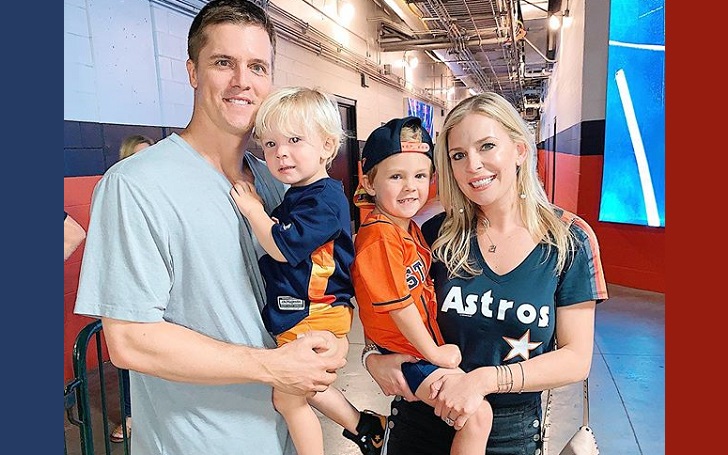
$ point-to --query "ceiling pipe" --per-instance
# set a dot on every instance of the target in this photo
(398, 29)
(439, 33)
(549, 60)
(436, 43)
(300, 33)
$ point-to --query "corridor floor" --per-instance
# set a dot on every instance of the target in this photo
(627, 385)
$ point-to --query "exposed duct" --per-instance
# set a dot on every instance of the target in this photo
(486, 44)
(432, 44)
(302, 34)
(477, 39)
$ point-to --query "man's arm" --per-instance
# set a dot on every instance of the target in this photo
(73, 235)
(176, 353)
(386, 370)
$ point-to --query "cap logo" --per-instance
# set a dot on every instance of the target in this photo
(415, 147)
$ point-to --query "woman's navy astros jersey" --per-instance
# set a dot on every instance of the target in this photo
(500, 319)
(314, 235)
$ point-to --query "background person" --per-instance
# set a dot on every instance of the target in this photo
(512, 273)
(171, 268)
(132, 144)
(73, 235)
(129, 146)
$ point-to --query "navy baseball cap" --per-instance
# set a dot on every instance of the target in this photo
(384, 142)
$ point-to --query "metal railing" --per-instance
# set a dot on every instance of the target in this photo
(79, 408)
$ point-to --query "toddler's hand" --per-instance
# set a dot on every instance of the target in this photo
(245, 197)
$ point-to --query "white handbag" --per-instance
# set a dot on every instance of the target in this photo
(583, 442)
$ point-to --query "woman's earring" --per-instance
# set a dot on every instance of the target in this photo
(461, 210)
(518, 171)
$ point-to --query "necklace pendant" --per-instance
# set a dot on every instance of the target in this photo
(491, 249)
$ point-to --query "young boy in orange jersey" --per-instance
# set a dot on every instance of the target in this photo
(391, 267)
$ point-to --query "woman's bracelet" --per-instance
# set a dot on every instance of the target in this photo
(505, 380)
(369, 349)
(523, 377)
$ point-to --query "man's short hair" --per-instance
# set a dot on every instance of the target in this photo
(222, 12)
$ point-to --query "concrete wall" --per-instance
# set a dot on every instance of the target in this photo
(571, 135)
(124, 63)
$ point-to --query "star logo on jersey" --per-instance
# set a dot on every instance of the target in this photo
(377, 442)
(521, 346)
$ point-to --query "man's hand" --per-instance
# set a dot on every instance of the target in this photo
(386, 370)
(305, 365)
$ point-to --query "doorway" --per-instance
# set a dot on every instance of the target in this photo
(344, 166)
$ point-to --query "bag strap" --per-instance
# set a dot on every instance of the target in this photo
(585, 410)
(546, 423)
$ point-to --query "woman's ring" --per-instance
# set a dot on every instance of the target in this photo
(449, 421)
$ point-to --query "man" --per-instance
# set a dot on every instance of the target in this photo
(171, 266)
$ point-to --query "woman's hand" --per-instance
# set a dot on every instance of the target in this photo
(457, 396)
(386, 370)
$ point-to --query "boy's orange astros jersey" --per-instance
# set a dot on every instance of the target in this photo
(390, 271)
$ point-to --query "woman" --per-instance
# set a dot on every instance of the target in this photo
(512, 273)
(132, 144)
(129, 146)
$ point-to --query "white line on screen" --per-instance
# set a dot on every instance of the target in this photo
(648, 192)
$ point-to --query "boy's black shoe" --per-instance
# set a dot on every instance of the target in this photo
(370, 429)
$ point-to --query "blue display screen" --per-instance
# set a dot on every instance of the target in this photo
(424, 111)
(633, 184)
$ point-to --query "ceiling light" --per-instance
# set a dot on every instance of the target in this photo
(345, 10)
(568, 20)
(554, 22)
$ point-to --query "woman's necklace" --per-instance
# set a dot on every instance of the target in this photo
(493, 246)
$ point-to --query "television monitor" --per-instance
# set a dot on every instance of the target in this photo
(424, 111)
(633, 183)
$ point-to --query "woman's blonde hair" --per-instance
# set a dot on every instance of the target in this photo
(299, 111)
(130, 142)
(452, 246)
